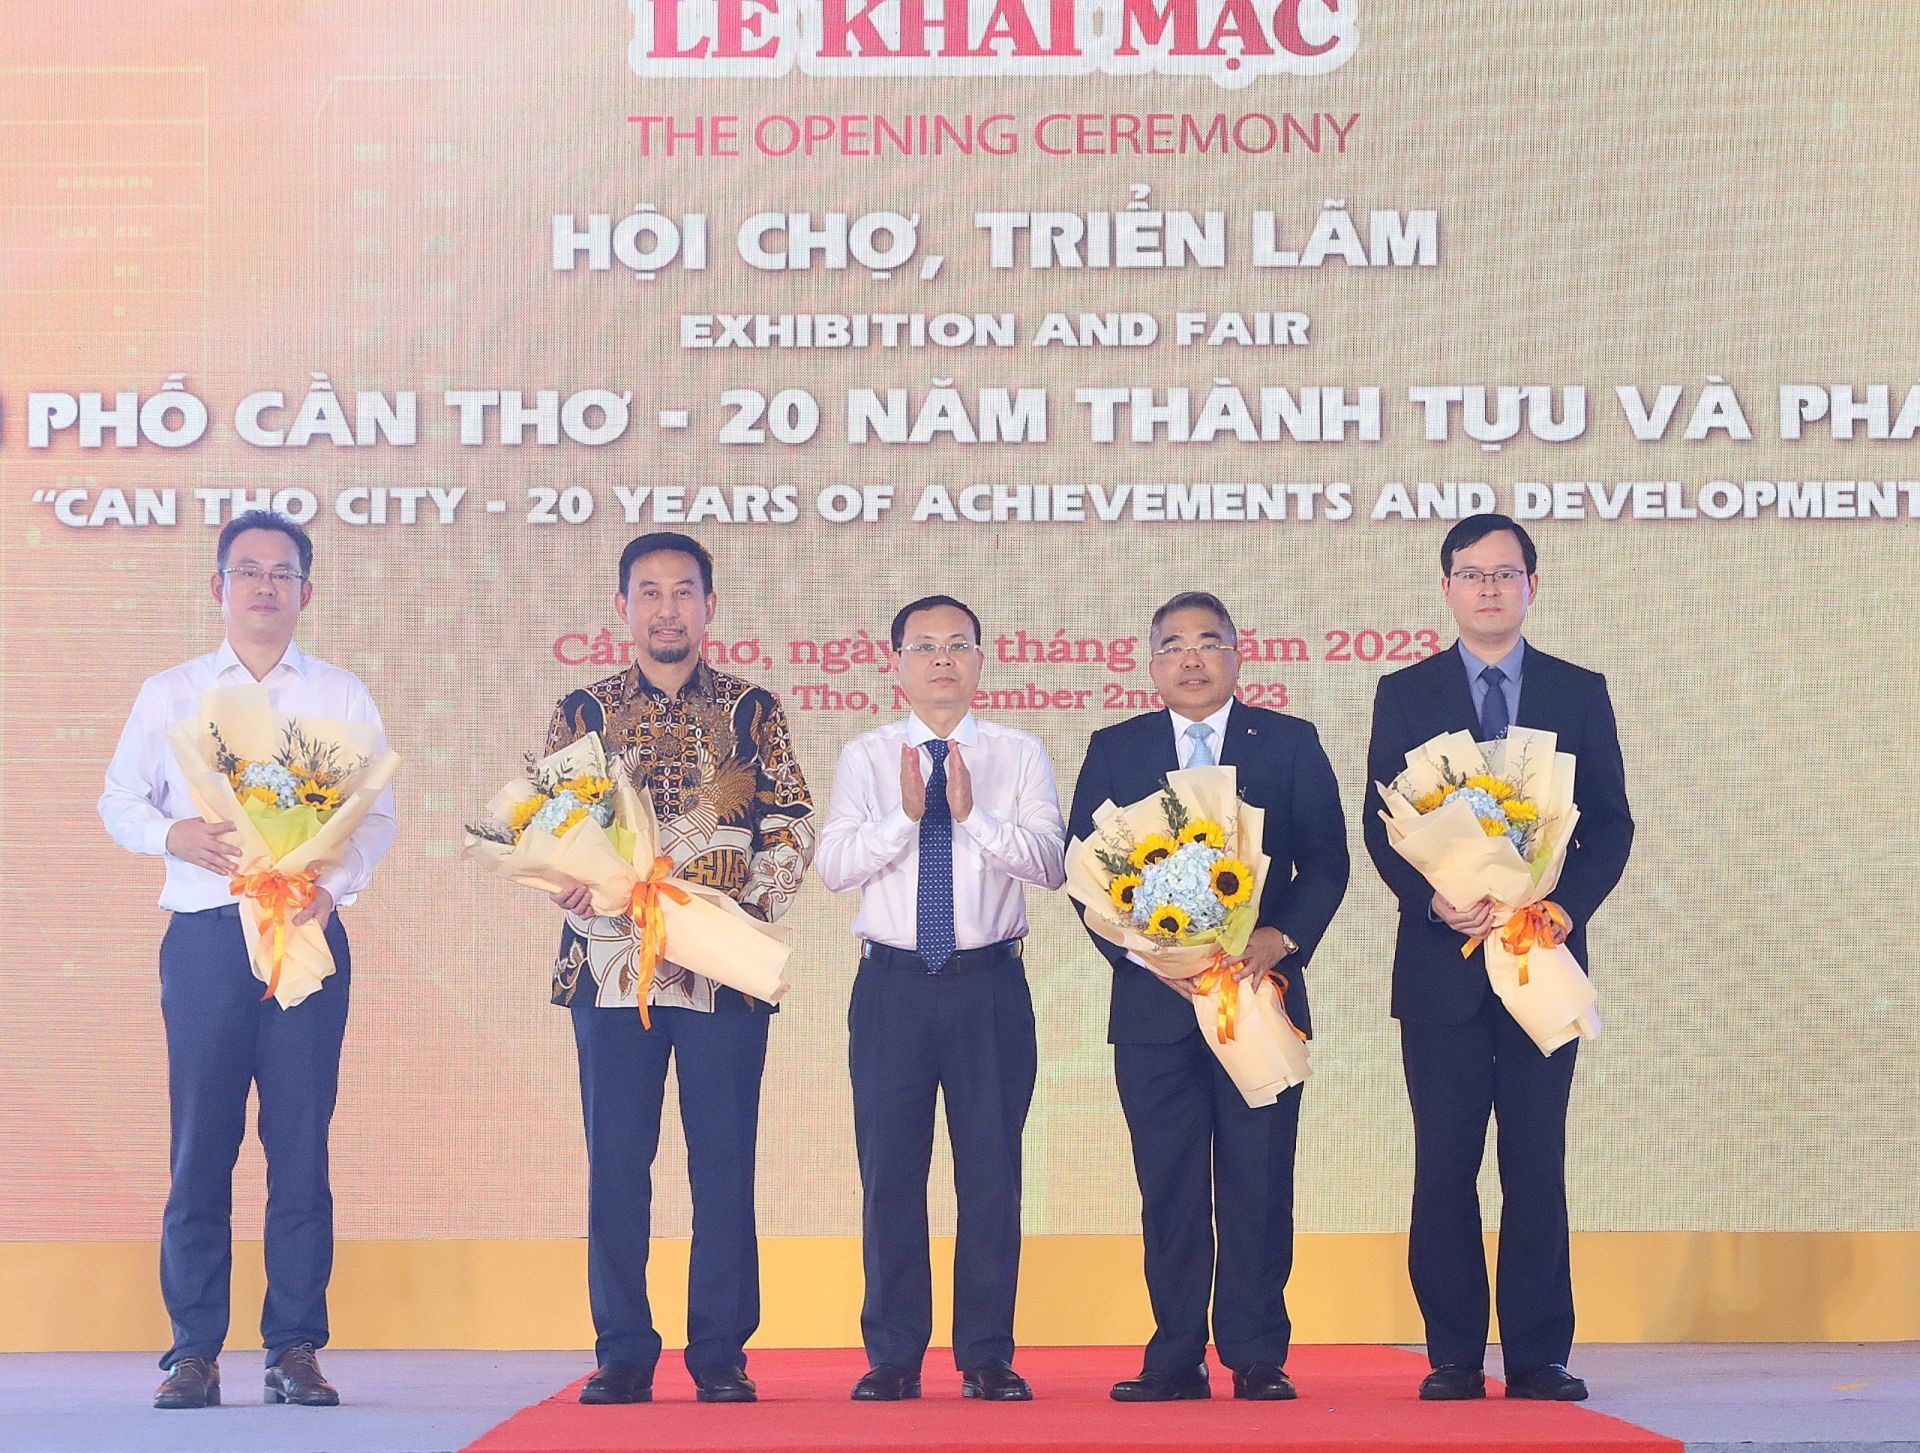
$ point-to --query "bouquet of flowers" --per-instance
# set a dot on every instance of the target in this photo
(1175, 880)
(294, 790)
(1494, 820)
(573, 819)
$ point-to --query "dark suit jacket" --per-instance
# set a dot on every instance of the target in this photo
(1283, 769)
(1431, 982)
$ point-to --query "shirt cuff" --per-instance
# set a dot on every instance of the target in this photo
(985, 828)
(155, 841)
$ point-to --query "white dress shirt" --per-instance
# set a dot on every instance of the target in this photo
(1184, 744)
(1014, 835)
(147, 793)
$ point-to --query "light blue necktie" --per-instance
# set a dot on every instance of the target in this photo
(1198, 734)
(933, 936)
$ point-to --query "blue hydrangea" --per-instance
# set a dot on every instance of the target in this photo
(558, 808)
(1183, 878)
(1485, 806)
(602, 812)
(277, 778)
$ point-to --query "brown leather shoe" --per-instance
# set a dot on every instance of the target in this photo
(192, 1382)
(296, 1378)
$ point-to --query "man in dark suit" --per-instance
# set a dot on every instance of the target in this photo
(1205, 1160)
(1464, 1055)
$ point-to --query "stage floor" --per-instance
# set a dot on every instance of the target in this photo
(1707, 1397)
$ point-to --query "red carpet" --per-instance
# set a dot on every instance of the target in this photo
(1351, 1398)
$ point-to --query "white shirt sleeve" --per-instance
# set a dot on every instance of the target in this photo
(137, 775)
(1031, 845)
(861, 837)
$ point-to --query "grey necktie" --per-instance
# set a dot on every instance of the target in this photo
(1198, 734)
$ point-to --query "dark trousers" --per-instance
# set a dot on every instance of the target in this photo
(623, 1078)
(1205, 1160)
(967, 1033)
(223, 1039)
(1456, 1075)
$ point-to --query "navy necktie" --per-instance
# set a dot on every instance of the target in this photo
(933, 921)
(1494, 720)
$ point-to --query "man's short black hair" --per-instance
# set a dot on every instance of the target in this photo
(1475, 528)
(1195, 600)
(267, 520)
(641, 546)
(931, 602)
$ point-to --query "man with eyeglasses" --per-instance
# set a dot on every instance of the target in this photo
(1465, 1058)
(940, 821)
(222, 1037)
(1216, 1177)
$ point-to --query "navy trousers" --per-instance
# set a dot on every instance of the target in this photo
(967, 1034)
(1458, 1074)
(222, 1040)
(623, 1079)
(1206, 1161)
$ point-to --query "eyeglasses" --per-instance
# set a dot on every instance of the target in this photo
(1502, 578)
(953, 650)
(1206, 648)
(253, 575)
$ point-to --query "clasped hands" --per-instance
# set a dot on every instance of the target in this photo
(913, 787)
(1265, 948)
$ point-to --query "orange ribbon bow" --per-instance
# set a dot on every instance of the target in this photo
(1218, 978)
(274, 893)
(650, 925)
(1539, 925)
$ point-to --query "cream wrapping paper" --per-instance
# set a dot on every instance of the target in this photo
(1266, 1055)
(252, 729)
(1557, 1003)
(709, 934)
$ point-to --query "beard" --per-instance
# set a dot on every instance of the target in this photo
(670, 655)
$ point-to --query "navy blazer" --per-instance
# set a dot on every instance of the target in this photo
(1432, 983)
(1283, 769)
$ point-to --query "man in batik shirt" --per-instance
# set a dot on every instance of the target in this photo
(713, 753)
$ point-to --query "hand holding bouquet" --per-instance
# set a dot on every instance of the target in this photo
(573, 820)
(294, 789)
(1494, 820)
(1175, 880)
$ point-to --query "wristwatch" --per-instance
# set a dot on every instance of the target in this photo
(1291, 947)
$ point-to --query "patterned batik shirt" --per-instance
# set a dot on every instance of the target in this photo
(733, 808)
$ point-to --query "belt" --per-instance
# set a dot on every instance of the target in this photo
(964, 961)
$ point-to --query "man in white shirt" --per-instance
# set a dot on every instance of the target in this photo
(940, 820)
(222, 1038)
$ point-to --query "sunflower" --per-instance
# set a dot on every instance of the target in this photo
(1122, 890)
(1520, 810)
(261, 794)
(522, 812)
(1204, 830)
(574, 818)
(587, 789)
(321, 796)
(1232, 882)
(1427, 801)
(1496, 788)
(1153, 847)
(1168, 922)
(1493, 827)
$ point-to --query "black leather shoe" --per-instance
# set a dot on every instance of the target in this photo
(1164, 1387)
(1264, 1382)
(192, 1382)
(996, 1382)
(729, 1385)
(1453, 1383)
(1549, 1384)
(618, 1382)
(884, 1384)
(296, 1378)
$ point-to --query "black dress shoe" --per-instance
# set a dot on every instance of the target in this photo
(1549, 1384)
(729, 1385)
(996, 1382)
(618, 1382)
(296, 1378)
(1453, 1383)
(1264, 1382)
(192, 1382)
(1164, 1387)
(884, 1384)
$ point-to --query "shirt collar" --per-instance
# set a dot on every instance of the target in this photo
(967, 733)
(227, 659)
(1509, 664)
(1217, 720)
(700, 683)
